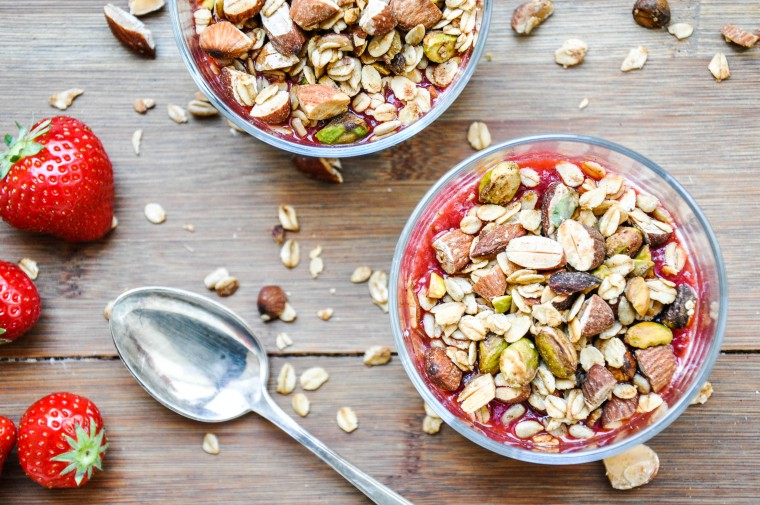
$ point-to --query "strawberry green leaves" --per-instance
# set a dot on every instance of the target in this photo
(22, 147)
(86, 452)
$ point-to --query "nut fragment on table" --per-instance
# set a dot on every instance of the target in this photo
(361, 274)
(478, 136)
(313, 378)
(681, 30)
(288, 217)
(130, 31)
(283, 340)
(226, 286)
(718, 67)
(286, 379)
(177, 113)
(136, 139)
(142, 105)
(377, 355)
(271, 302)
(347, 420)
(290, 254)
(201, 108)
(740, 37)
(278, 234)
(154, 213)
(301, 404)
(633, 468)
(211, 280)
(64, 99)
(107, 310)
(210, 444)
(584, 103)
(431, 425)
(635, 59)
(651, 13)
(143, 7)
(378, 289)
(529, 15)
(571, 53)
(325, 314)
(29, 267)
(704, 394)
(321, 169)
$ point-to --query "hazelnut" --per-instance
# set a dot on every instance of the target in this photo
(652, 13)
(271, 302)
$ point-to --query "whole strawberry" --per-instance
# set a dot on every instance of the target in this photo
(61, 439)
(57, 179)
(7, 439)
(19, 302)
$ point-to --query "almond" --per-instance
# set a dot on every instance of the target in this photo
(452, 250)
(558, 204)
(130, 31)
(583, 246)
(616, 409)
(538, 253)
(492, 284)
(377, 18)
(512, 395)
(494, 239)
(410, 13)
(598, 386)
(441, 370)
(237, 11)
(271, 59)
(320, 101)
(658, 364)
(595, 316)
(274, 110)
(529, 15)
(223, 40)
(733, 33)
(309, 13)
(284, 35)
(321, 169)
(632, 468)
(143, 7)
(572, 282)
(240, 86)
(626, 372)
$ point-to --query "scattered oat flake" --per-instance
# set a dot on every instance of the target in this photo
(478, 136)
(290, 254)
(325, 314)
(681, 30)
(283, 340)
(214, 277)
(316, 266)
(288, 217)
(301, 404)
(136, 139)
(719, 67)
(572, 52)
(64, 99)
(361, 274)
(286, 379)
(30, 268)
(177, 113)
(114, 223)
(316, 252)
(378, 289)
(313, 378)
(635, 60)
(211, 444)
(347, 420)
(377, 355)
(489, 57)
(583, 104)
(704, 394)
(155, 213)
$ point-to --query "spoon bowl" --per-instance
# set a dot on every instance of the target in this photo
(201, 360)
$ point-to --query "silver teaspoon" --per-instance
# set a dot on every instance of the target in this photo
(202, 361)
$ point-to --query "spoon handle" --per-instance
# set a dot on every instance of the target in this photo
(374, 490)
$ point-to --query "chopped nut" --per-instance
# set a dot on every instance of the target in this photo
(130, 31)
(278, 234)
(142, 105)
(572, 282)
(283, 340)
(64, 99)
(635, 59)
(210, 444)
(143, 7)
(719, 67)
(29, 267)
(107, 310)
(154, 213)
(361, 274)
(226, 286)
(583, 247)
(136, 139)
(526, 429)
(681, 30)
(680, 311)
(649, 402)
(286, 379)
(271, 302)
(704, 394)
(199, 108)
(316, 266)
(322, 102)
(313, 378)
(325, 314)
(377, 355)
(584, 103)
(301, 404)
(491, 241)
(224, 40)
(478, 136)
(658, 364)
(347, 420)
(529, 15)
(440, 369)
(378, 288)
(431, 425)
(214, 277)
(290, 254)
(595, 316)
(321, 169)
(598, 386)
(733, 33)
(177, 113)
(633, 468)
(651, 13)
(410, 13)
(289, 314)
(572, 53)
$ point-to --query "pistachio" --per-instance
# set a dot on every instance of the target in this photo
(490, 351)
(648, 334)
(626, 240)
(677, 315)
(557, 351)
(642, 262)
(519, 362)
(559, 204)
(502, 304)
(439, 47)
(343, 129)
(499, 185)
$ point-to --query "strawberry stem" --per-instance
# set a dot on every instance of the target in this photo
(22, 146)
(86, 452)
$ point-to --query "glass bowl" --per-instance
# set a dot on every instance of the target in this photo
(187, 41)
(694, 233)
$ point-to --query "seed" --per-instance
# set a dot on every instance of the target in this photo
(64, 99)
(286, 379)
(325, 314)
(226, 286)
(347, 420)
(155, 213)
(201, 108)
(313, 378)
(377, 355)
(478, 136)
(301, 404)
(30, 268)
(431, 425)
(210, 444)
(283, 340)
(177, 113)
(288, 217)
(214, 277)
(136, 139)
(361, 274)
(290, 254)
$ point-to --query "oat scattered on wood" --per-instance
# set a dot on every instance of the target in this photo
(64, 99)
(210, 444)
(154, 213)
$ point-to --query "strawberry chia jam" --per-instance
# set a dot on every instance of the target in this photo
(550, 303)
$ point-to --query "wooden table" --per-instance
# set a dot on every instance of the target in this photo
(228, 187)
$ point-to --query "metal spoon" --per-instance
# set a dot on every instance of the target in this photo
(202, 361)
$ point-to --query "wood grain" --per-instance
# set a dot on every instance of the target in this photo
(156, 456)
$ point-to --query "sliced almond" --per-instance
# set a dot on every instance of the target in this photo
(584, 247)
(718, 67)
(237, 11)
(136, 139)
(681, 30)
(130, 31)
(64, 99)
(143, 7)
(309, 13)
(275, 110)
(410, 13)
(377, 18)
(283, 33)
(319, 101)
(538, 253)
(635, 59)
(224, 41)
(633, 468)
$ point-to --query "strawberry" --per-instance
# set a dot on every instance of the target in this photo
(7, 439)
(61, 439)
(57, 179)
(19, 302)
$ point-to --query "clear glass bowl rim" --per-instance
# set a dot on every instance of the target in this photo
(569, 458)
(349, 150)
